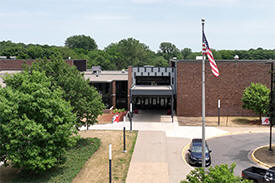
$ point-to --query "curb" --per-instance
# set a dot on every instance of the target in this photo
(183, 155)
(258, 161)
(228, 134)
(236, 133)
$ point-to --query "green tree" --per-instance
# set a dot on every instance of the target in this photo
(85, 100)
(36, 123)
(101, 58)
(186, 52)
(129, 52)
(159, 61)
(35, 52)
(169, 50)
(81, 41)
(217, 174)
(256, 98)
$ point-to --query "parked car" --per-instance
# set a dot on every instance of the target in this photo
(259, 175)
(194, 154)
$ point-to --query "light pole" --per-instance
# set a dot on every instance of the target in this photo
(131, 110)
(271, 105)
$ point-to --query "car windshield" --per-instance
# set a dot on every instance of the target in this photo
(198, 149)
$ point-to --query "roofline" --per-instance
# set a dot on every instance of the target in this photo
(228, 60)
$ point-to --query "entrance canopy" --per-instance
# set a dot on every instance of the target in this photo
(151, 90)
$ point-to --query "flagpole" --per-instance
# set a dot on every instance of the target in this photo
(203, 101)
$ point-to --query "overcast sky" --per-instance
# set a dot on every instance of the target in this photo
(230, 24)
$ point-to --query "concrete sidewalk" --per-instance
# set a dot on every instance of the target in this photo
(157, 156)
(149, 161)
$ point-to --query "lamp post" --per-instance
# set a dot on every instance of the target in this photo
(131, 110)
(124, 136)
(110, 163)
(219, 111)
(271, 104)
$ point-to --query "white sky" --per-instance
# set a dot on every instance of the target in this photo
(230, 24)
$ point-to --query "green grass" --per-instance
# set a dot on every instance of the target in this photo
(131, 153)
(75, 160)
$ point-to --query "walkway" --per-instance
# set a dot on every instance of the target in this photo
(157, 155)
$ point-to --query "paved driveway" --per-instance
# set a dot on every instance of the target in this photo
(236, 148)
(157, 155)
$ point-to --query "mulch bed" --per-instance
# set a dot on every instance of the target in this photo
(264, 155)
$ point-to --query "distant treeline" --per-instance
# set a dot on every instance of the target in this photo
(122, 54)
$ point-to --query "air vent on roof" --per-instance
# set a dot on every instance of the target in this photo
(96, 69)
(3, 57)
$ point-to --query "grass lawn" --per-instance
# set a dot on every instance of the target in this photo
(75, 159)
(86, 163)
(96, 169)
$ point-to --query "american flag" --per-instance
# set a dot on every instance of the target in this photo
(207, 51)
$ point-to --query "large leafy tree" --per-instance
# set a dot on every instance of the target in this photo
(186, 52)
(81, 41)
(220, 174)
(130, 52)
(85, 100)
(36, 123)
(101, 58)
(169, 50)
(256, 98)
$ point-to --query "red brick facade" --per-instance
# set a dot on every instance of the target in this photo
(9, 64)
(234, 77)
(229, 87)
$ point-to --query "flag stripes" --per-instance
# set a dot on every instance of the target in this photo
(207, 51)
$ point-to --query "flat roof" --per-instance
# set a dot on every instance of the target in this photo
(107, 76)
(239, 60)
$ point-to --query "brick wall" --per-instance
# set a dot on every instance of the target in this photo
(229, 87)
(9, 64)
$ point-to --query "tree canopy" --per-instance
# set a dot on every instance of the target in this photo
(169, 51)
(85, 100)
(256, 98)
(81, 41)
(120, 55)
(36, 123)
(221, 174)
(131, 52)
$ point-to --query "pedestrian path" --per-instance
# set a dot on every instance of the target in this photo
(149, 161)
(170, 129)
(157, 156)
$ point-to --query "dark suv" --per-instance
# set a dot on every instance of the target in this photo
(194, 155)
